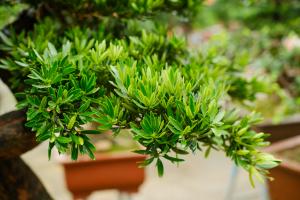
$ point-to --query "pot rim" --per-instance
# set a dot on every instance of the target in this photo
(283, 123)
(284, 145)
(293, 119)
(100, 156)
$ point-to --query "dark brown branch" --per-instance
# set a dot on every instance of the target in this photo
(19, 182)
(14, 138)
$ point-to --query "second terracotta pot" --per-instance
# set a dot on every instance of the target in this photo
(109, 171)
(286, 184)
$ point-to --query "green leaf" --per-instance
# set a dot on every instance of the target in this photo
(43, 103)
(35, 75)
(5, 39)
(268, 164)
(62, 139)
(77, 139)
(160, 167)
(219, 116)
(175, 123)
(74, 152)
(41, 86)
(207, 152)
(50, 147)
(32, 114)
(90, 132)
(22, 64)
(52, 49)
(173, 159)
(179, 151)
(89, 148)
(146, 162)
(191, 103)
(219, 132)
(242, 131)
(38, 55)
(254, 173)
(22, 104)
(143, 152)
(42, 129)
(84, 106)
(72, 122)
(43, 137)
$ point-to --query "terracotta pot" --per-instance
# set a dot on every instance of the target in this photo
(287, 175)
(280, 131)
(109, 171)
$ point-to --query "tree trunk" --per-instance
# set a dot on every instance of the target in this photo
(14, 138)
(17, 180)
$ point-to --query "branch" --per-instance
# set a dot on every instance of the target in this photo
(14, 138)
(19, 182)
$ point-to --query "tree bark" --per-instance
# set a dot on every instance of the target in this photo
(17, 180)
(14, 138)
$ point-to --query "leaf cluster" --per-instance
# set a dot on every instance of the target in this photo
(145, 80)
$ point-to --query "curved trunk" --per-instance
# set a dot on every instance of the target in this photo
(18, 181)
(14, 138)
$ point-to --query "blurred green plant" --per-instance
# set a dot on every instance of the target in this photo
(268, 30)
(9, 13)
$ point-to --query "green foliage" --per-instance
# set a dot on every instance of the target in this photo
(276, 17)
(60, 99)
(9, 13)
(273, 25)
(141, 77)
(89, 10)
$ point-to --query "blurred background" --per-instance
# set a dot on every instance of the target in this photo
(263, 38)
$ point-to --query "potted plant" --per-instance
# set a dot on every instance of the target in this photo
(115, 63)
(113, 157)
(287, 174)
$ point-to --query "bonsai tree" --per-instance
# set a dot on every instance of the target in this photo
(119, 64)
